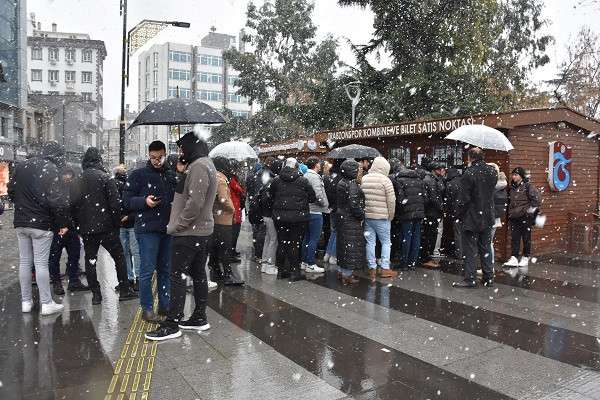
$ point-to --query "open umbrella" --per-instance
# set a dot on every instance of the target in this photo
(177, 111)
(353, 151)
(239, 151)
(481, 136)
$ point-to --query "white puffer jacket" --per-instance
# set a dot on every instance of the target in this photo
(380, 199)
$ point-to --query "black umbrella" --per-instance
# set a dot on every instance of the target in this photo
(353, 151)
(177, 111)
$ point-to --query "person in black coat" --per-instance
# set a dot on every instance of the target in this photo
(291, 194)
(349, 218)
(331, 181)
(97, 213)
(127, 231)
(476, 210)
(434, 211)
(410, 211)
(452, 192)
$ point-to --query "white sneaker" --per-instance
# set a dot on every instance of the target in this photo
(512, 262)
(315, 268)
(332, 260)
(212, 285)
(303, 266)
(524, 263)
(271, 270)
(26, 306)
(51, 308)
(326, 258)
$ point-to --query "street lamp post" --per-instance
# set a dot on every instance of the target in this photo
(355, 99)
(125, 64)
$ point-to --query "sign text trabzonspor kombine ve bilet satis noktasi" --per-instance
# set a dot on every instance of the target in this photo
(413, 128)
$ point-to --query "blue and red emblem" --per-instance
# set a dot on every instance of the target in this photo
(559, 166)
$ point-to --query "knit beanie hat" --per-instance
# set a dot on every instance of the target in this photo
(520, 171)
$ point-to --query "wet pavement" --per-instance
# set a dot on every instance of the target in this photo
(532, 336)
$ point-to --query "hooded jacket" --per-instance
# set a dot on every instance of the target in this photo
(476, 198)
(351, 249)
(410, 196)
(35, 188)
(322, 203)
(192, 208)
(452, 192)
(291, 194)
(380, 199)
(96, 204)
(147, 181)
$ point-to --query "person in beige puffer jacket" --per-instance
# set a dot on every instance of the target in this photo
(380, 206)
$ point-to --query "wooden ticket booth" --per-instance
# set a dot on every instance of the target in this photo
(540, 137)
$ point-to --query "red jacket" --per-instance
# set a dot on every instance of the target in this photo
(237, 194)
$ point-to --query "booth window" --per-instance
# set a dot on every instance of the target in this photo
(402, 154)
(451, 155)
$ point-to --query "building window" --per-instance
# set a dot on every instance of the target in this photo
(211, 95)
(240, 114)
(154, 94)
(52, 75)
(147, 96)
(402, 154)
(36, 53)
(69, 76)
(233, 80)
(86, 77)
(179, 74)
(70, 55)
(86, 56)
(450, 155)
(180, 56)
(236, 98)
(155, 59)
(3, 127)
(155, 77)
(87, 96)
(215, 61)
(183, 92)
(147, 80)
(207, 77)
(53, 54)
(36, 75)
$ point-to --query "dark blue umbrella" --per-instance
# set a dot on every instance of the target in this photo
(177, 111)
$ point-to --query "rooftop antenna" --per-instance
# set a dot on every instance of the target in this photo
(213, 28)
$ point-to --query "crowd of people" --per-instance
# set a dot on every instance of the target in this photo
(173, 217)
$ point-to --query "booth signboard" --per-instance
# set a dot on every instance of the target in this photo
(559, 166)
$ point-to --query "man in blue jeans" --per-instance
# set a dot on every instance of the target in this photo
(149, 193)
(315, 223)
(380, 206)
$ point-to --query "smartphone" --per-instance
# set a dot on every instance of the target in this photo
(156, 198)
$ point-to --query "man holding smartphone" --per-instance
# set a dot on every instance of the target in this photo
(149, 193)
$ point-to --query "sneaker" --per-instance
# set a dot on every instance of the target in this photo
(524, 263)
(315, 269)
(77, 286)
(263, 268)
(303, 266)
(26, 306)
(466, 284)
(332, 260)
(326, 258)
(58, 288)
(51, 308)
(164, 332)
(195, 325)
(271, 270)
(512, 262)
(212, 285)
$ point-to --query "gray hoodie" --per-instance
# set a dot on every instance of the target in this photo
(322, 204)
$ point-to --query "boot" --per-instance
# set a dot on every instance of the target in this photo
(96, 296)
(126, 292)
(388, 273)
(58, 288)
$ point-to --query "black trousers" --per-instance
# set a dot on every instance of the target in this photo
(188, 257)
(478, 244)
(112, 243)
(520, 230)
(258, 235)
(219, 250)
(70, 241)
(396, 236)
(289, 239)
(235, 233)
(430, 232)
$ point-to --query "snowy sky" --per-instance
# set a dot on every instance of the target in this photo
(101, 20)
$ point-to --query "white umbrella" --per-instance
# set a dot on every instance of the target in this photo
(239, 151)
(481, 136)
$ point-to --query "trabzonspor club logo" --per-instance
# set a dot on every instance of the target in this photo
(559, 166)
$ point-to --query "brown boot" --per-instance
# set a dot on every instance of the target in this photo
(372, 274)
(388, 273)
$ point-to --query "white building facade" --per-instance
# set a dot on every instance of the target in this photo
(187, 71)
